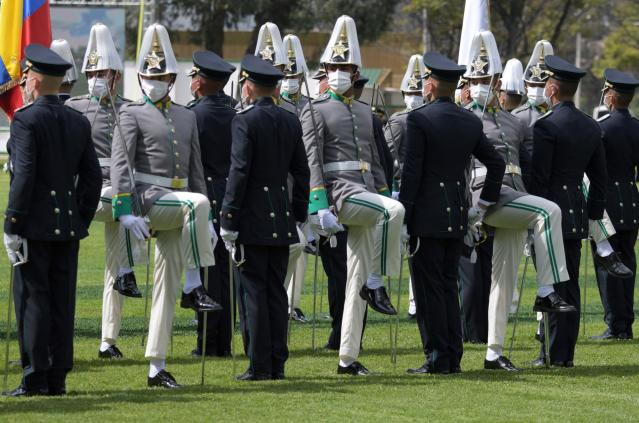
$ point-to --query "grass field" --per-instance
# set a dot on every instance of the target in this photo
(604, 385)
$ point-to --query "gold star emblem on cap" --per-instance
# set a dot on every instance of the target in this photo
(536, 71)
(267, 53)
(93, 58)
(341, 47)
(478, 64)
(413, 82)
(153, 60)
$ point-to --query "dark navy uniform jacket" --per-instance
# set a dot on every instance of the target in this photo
(621, 143)
(567, 144)
(441, 138)
(214, 114)
(267, 146)
(50, 144)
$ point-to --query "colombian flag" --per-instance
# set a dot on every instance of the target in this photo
(22, 22)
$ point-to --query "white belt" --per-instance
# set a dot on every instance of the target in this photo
(161, 181)
(513, 169)
(358, 165)
(105, 161)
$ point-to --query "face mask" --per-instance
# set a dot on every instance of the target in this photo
(481, 93)
(154, 89)
(339, 81)
(291, 85)
(27, 95)
(547, 98)
(458, 92)
(413, 101)
(97, 87)
(536, 95)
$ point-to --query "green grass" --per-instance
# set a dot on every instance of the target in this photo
(602, 386)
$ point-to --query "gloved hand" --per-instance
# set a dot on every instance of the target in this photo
(213, 234)
(475, 215)
(229, 238)
(328, 222)
(405, 237)
(136, 225)
(13, 243)
(395, 195)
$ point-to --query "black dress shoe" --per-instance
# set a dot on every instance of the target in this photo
(248, 375)
(502, 363)
(427, 369)
(278, 376)
(412, 316)
(540, 362)
(298, 316)
(569, 364)
(378, 300)
(552, 303)
(111, 353)
(22, 391)
(199, 301)
(210, 352)
(330, 347)
(455, 369)
(624, 336)
(126, 285)
(163, 379)
(57, 391)
(606, 335)
(355, 369)
(614, 266)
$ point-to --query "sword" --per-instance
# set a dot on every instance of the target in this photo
(146, 290)
(521, 292)
(204, 326)
(583, 308)
(315, 297)
(23, 260)
(290, 311)
(232, 309)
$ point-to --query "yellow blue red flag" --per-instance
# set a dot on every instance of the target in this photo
(22, 22)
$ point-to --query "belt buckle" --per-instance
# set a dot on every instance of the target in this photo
(363, 166)
(177, 183)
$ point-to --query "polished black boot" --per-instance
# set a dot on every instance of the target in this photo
(614, 266)
(126, 285)
(552, 303)
(199, 301)
(378, 300)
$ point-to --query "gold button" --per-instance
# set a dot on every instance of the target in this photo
(617, 183)
(355, 126)
(620, 204)
(52, 193)
(448, 209)
(283, 188)
(288, 214)
(110, 134)
(173, 130)
(119, 202)
(72, 233)
(70, 212)
(209, 179)
(175, 142)
(177, 166)
(229, 215)
(57, 231)
(274, 235)
(570, 211)
(170, 120)
(177, 154)
(461, 208)
(272, 214)
(69, 192)
(461, 228)
(356, 138)
(56, 210)
(441, 184)
(565, 187)
(450, 229)
(13, 220)
(315, 197)
(289, 234)
(265, 188)
(214, 202)
(621, 221)
(214, 220)
(574, 229)
(457, 183)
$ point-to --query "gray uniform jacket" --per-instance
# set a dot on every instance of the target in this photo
(345, 130)
(159, 142)
(103, 128)
(395, 134)
(506, 134)
(528, 114)
(295, 107)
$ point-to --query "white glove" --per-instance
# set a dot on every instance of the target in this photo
(395, 195)
(13, 243)
(475, 215)
(229, 238)
(405, 237)
(136, 225)
(328, 222)
(213, 234)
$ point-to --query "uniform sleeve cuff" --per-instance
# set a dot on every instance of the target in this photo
(229, 219)
(385, 192)
(318, 200)
(121, 205)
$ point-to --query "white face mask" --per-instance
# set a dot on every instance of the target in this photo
(27, 95)
(481, 93)
(98, 87)
(154, 89)
(547, 98)
(291, 85)
(339, 81)
(458, 92)
(536, 95)
(413, 101)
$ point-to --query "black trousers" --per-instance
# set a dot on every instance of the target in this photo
(334, 263)
(617, 295)
(218, 325)
(44, 293)
(564, 327)
(475, 280)
(435, 274)
(265, 307)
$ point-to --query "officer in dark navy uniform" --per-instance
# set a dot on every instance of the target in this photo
(567, 144)
(257, 217)
(441, 138)
(50, 144)
(621, 143)
(214, 112)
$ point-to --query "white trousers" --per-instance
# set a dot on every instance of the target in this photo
(511, 223)
(121, 250)
(180, 222)
(296, 270)
(374, 230)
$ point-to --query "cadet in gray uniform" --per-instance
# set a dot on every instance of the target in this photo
(160, 140)
(515, 211)
(103, 69)
(345, 167)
